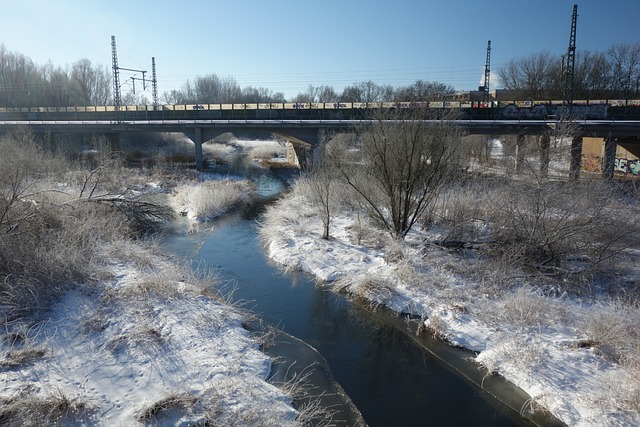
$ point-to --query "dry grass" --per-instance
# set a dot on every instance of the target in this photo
(27, 409)
(210, 199)
(522, 308)
(612, 328)
(311, 412)
(21, 357)
(267, 151)
(375, 291)
(154, 413)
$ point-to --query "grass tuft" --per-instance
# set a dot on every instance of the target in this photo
(173, 402)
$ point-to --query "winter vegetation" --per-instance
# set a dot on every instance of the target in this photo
(211, 199)
(534, 272)
(99, 327)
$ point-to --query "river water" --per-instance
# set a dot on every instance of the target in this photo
(392, 378)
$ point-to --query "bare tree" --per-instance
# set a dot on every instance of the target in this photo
(55, 88)
(91, 85)
(366, 92)
(322, 93)
(319, 188)
(260, 94)
(20, 80)
(424, 91)
(591, 79)
(624, 60)
(214, 89)
(537, 76)
(403, 162)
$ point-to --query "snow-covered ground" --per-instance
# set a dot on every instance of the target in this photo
(151, 347)
(534, 341)
(155, 345)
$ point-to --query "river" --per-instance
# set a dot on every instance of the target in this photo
(390, 376)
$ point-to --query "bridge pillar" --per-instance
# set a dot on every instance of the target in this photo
(197, 141)
(545, 147)
(520, 153)
(610, 148)
(199, 135)
(299, 146)
(576, 158)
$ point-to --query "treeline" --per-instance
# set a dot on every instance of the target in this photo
(369, 91)
(598, 75)
(213, 89)
(24, 83)
(614, 74)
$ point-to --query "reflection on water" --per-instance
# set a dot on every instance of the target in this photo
(390, 379)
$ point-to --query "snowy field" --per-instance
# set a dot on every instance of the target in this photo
(149, 348)
(534, 341)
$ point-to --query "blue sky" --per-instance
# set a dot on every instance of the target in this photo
(286, 45)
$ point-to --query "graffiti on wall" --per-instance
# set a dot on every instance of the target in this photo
(592, 163)
(594, 111)
(627, 167)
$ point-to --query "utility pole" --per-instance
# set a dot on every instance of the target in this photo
(487, 75)
(116, 75)
(569, 67)
(117, 99)
(154, 83)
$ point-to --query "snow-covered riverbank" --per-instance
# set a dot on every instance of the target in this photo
(152, 346)
(536, 342)
(139, 339)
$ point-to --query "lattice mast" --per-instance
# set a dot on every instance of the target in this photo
(154, 83)
(569, 66)
(116, 74)
(487, 75)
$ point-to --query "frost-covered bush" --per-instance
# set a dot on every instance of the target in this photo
(522, 308)
(49, 234)
(460, 211)
(566, 229)
(547, 224)
(267, 151)
(210, 199)
(613, 328)
(220, 152)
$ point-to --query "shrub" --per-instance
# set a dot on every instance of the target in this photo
(52, 222)
(566, 229)
(210, 199)
(547, 225)
(613, 328)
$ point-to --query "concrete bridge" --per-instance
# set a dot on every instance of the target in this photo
(305, 133)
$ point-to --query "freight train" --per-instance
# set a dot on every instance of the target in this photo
(495, 110)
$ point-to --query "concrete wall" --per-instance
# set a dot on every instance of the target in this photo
(627, 158)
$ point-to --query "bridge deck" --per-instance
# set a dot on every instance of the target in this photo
(596, 128)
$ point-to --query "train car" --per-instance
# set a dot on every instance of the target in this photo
(495, 110)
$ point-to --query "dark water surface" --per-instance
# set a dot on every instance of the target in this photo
(391, 379)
